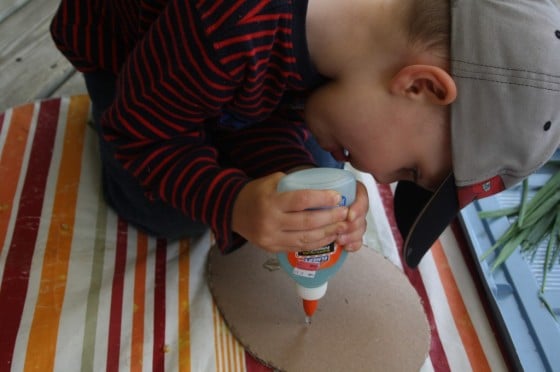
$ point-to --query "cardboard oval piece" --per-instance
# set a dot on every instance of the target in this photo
(370, 319)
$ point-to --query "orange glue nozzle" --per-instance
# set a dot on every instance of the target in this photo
(310, 306)
(311, 297)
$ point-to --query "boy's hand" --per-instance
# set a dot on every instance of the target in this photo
(280, 222)
(351, 237)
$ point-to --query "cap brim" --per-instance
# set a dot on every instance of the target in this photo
(422, 216)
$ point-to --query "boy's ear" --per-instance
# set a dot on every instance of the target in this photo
(425, 83)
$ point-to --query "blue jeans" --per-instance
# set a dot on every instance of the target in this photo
(125, 195)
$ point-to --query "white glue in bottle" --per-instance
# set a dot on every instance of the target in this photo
(311, 269)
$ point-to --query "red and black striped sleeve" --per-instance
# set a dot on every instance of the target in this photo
(197, 61)
(181, 65)
(93, 34)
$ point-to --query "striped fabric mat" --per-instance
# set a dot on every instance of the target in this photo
(83, 291)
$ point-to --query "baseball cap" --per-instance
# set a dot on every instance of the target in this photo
(505, 122)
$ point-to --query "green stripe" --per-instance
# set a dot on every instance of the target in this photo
(95, 287)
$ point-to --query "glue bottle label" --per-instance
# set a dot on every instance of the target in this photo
(313, 267)
(307, 263)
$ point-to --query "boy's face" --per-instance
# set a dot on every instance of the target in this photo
(385, 135)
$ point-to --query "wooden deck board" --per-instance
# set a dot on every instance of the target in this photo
(73, 85)
(31, 66)
(9, 7)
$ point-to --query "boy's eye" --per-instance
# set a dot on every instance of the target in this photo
(409, 174)
(415, 174)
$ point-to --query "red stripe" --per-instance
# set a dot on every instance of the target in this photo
(252, 16)
(18, 261)
(200, 46)
(243, 39)
(437, 353)
(75, 39)
(156, 50)
(269, 17)
(212, 9)
(166, 174)
(253, 365)
(227, 175)
(134, 111)
(150, 158)
(115, 53)
(188, 189)
(158, 361)
(100, 48)
(262, 106)
(121, 121)
(224, 16)
(180, 105)
(114, 338)
(182, 47)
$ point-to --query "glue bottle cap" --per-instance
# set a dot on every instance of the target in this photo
(341, 180)
(314, 293)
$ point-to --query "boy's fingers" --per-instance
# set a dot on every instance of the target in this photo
(311, 239)
(312, 220)
(353, 247)
(299, 200)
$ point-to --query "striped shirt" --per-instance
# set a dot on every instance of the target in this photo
(209, 93)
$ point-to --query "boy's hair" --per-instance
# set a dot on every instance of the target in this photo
(429, 25)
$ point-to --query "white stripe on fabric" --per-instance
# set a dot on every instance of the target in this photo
(73, 314)
(104, 310)
(172, 336)
(379, 235)
(448, 333)
(201, 320)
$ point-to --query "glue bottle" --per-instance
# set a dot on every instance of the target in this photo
(311, 269)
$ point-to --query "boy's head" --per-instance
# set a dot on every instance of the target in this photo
(387, 99)
(457, 96)
(505, 121)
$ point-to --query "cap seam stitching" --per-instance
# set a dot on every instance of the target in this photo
(506, 172)
(503, 68)
(509, 82)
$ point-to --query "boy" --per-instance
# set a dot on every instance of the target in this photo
(202, 107)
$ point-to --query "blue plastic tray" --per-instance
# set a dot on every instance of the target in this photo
(530, 333)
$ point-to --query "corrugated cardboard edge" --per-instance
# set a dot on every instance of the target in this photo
(229, 279)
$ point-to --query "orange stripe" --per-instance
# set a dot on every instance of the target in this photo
(44, 329)
(10, 163)
(219, 329)
(137, 347)
(230, 355)
(184, 307)
(463, 322)
(226, 349)
(237, 352)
